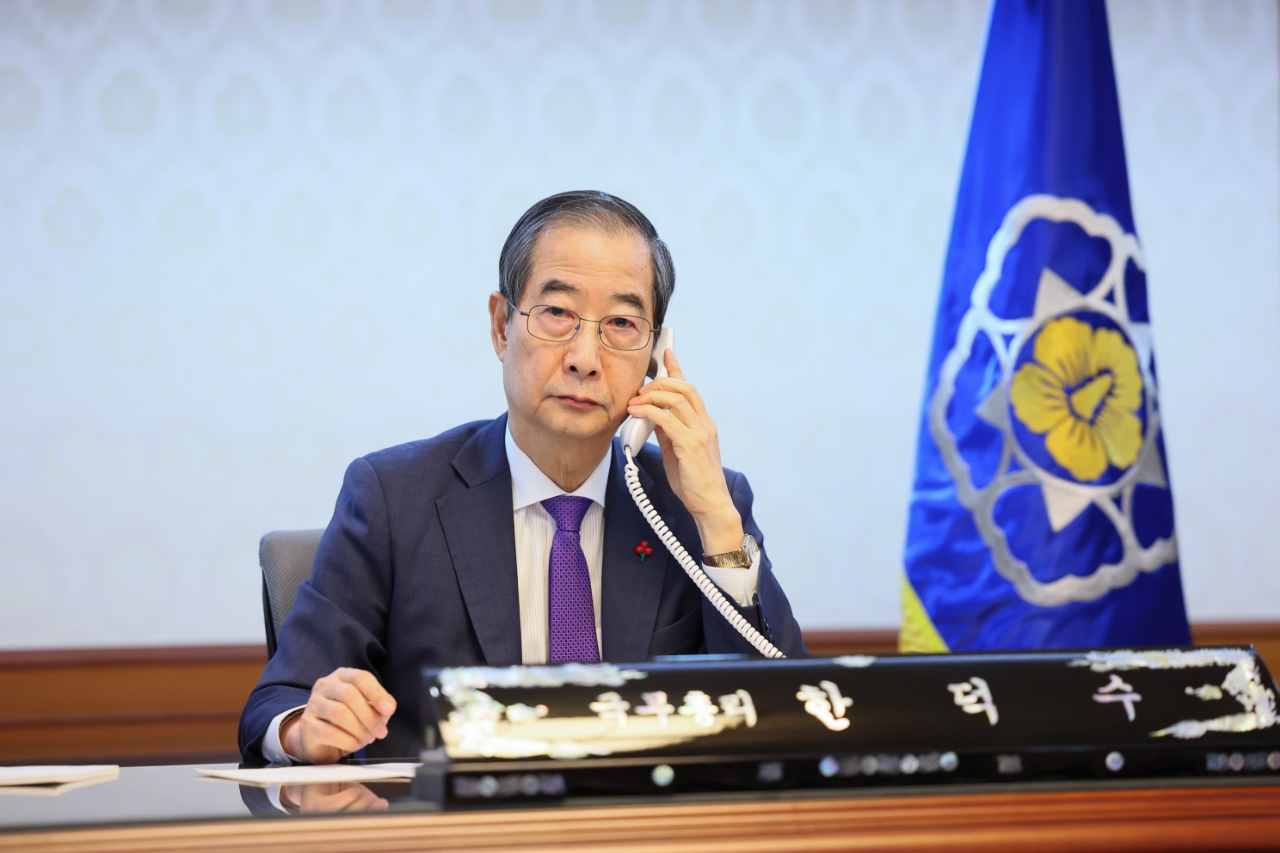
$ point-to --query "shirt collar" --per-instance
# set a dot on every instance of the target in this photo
(530, 486)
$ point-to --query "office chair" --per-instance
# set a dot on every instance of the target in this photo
(286, 557)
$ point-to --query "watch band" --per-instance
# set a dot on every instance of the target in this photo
(741, 558)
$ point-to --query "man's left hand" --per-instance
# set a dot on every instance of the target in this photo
(691, 456)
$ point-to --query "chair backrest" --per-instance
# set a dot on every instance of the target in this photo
(286, 557)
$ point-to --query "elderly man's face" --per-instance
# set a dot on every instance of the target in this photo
(577, 389)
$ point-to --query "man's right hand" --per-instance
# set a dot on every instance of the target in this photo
(347, 711)
(332, 797)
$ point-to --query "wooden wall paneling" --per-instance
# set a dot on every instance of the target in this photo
(177, 705)
(1264, 636)
(824, 644)
(132, 706)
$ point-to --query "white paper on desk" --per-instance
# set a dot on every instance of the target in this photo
(53, 779)
(303, 774)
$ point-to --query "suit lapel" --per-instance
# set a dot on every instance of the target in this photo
(630, 589)
(480, 531)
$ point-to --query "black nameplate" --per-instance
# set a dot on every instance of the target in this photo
(523, 732)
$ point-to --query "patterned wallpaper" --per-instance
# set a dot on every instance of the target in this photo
(246, 242)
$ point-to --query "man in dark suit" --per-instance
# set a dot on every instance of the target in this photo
(515, 540)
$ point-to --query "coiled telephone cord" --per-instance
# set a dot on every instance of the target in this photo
(692, 569)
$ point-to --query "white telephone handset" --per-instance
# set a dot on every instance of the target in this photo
(634, 433)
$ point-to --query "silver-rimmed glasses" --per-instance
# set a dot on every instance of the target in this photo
(556, 324)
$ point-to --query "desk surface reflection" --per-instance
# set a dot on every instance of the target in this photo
(178, 794)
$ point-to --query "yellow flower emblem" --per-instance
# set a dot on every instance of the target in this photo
(1084, 390)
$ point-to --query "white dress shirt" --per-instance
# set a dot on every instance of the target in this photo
(534, 529)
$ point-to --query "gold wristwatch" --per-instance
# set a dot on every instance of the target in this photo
(739, 559)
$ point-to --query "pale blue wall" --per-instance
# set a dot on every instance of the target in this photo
(244, 243)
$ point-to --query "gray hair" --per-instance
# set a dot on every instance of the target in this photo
(586, 208)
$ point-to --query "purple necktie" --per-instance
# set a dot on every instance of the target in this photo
(573, 616)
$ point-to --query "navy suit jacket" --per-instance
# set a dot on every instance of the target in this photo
(418, 569)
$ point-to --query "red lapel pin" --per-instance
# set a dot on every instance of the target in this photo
(644, 550)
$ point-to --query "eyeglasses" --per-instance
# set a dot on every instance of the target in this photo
(556, 324)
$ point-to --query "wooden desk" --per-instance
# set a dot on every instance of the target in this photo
(1218, 818)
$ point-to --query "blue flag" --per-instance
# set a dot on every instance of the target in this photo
(1041, 515)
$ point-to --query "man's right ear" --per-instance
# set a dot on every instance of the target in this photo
(499, 323)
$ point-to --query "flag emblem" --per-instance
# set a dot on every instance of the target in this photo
(1073, 396)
